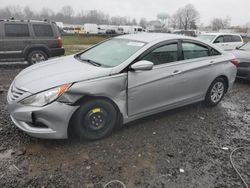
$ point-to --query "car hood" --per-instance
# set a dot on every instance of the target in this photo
(241, 55)
(56, 72)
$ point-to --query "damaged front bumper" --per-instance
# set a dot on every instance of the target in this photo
(48, 122)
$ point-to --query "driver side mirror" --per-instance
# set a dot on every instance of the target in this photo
(142, 65)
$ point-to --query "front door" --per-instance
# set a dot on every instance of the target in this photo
(159, 87)
(16, 38)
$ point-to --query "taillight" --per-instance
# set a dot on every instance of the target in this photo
(59, 42)
(235, 62)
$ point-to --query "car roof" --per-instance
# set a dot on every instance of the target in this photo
(150, 37)
(28, 21)
(216, 34)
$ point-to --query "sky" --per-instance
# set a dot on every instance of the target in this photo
(238, 11)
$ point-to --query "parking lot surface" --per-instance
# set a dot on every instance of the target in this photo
(186, 147)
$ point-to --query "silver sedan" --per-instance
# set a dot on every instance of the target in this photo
(243, 55)
(115, 82)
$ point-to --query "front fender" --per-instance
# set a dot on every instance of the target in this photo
(113, 88)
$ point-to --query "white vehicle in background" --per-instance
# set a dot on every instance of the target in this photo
(59, 24)
(226, 41)
(102, 29)
(127, 29)
(90, 28)
(138, 29)
(120, 30)
(69, 29)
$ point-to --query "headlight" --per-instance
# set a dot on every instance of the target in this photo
(46, 97)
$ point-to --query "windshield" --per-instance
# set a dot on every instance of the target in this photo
(112, 52)
(206, 38)
(245, 47)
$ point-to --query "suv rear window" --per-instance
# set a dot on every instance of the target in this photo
(17, 30)
(42, 30)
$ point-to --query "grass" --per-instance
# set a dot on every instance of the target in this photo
(246, 40)
(82, 40)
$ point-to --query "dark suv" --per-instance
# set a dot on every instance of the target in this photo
(32, 41)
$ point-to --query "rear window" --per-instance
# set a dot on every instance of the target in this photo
(228, 38)
(42, 30)
(236, 38)
(193, 50)
(17, 30)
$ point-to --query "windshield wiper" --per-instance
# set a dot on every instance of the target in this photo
(91, 62)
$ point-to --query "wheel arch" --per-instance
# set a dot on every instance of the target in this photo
(28, 50)
(225, 78)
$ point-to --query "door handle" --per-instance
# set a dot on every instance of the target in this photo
(176, 72)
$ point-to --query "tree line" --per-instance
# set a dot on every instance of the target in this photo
(186, 17)
(65, 15)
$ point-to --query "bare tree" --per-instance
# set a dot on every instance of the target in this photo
(219, 23)
(28, 13)
(67, 11)
(143, 22)
(66, 15)
(185, 18)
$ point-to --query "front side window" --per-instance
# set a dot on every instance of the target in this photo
(164, 54)
(219, 40)
(42, 30)
(112, 52)
(193, 50)
(17, 30)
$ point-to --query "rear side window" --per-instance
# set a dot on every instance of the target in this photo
(193, 50)
(43, 30)
(17, 30)
(228, 38)
(164, 54)
(236, 38)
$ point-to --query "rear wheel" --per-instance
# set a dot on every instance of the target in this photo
(215, 92)
(36, 56)
(95, 120)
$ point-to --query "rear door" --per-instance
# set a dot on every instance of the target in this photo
(228, 43)
(197, 69)
(16, 37)
(237, 41)
(45, 34)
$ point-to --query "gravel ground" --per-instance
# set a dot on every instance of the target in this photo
(178, 148)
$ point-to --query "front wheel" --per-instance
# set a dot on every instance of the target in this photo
(215, 92)
(95, 119)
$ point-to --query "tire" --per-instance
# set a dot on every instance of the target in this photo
(215, 92)
(95, 120)
(36, 56)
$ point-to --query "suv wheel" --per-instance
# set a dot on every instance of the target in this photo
(36, 56)
(215, 92)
